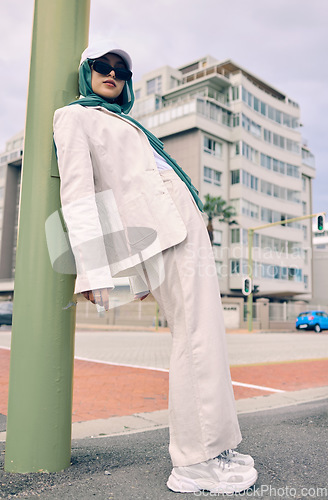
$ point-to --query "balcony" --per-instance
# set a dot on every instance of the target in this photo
(308, 158)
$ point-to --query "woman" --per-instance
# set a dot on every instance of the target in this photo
(131, 211)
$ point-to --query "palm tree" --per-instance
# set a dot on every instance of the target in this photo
(216, 206)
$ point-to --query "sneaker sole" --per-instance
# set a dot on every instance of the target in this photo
(180, 484)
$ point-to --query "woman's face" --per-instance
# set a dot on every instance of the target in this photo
(108, 86)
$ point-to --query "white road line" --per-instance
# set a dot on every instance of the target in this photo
(122, 364)
(262, 388)
(239, 384)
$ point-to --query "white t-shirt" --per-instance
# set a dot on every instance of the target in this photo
(160, 162)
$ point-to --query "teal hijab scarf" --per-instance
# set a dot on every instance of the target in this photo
(89, 98)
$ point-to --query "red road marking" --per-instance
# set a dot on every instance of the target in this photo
(103, 391)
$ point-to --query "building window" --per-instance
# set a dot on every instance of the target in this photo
(236, 121)
(249, 209)
(250, 180)
(250, 153)
(266, 110)
(251, 126)
(280, 166)
(154, 86)
(219, 268)
(207, 174)
(267, 135)
(304, 232)
(212, 147)
(235, 266)
(266, 188)
(256, 239)
(306, 281)
(293, 171)
(303, 183)
(235, 93)
(276, 272)
(190, 68)
(304, 207)
(278, 116)
(236, 205)
(267, 271)
(271, 113)
(294, 274)
(137, 94)
(174, 82)
(212, 176)
(217, 237)
(235, 176)
(235, 235)
(305, 256)
(216, 177)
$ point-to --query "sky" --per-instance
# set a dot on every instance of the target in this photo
(283, 42)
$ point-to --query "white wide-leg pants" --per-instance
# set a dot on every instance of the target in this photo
(202, 414)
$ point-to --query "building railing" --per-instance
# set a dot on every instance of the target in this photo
(199, 105)
(308, 159)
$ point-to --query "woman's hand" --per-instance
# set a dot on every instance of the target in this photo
(140, 296)
(100, 297)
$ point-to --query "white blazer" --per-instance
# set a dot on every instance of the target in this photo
(116, 207)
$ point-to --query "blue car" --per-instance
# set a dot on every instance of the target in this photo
(6, 313)
(312, 320)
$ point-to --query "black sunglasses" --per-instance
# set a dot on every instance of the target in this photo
(104, 69)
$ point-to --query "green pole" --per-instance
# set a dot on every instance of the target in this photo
(42, 348)
(250, 273)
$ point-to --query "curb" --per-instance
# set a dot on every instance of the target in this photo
(142, 422)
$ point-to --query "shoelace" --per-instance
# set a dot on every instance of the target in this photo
(223, 461)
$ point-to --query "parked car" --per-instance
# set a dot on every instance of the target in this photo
(6, 313)
(312, 320)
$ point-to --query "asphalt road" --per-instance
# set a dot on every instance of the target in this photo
(288, 445)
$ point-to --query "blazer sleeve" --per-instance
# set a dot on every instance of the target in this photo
(78, 200)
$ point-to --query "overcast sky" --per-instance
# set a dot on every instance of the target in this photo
(284, 42)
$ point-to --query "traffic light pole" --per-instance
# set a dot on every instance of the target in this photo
(251, 231)
(42, 348)
(250, 274)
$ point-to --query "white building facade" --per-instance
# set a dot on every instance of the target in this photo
(238, 137)
(10, 179)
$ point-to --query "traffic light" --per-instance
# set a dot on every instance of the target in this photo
(247, 285)
(321, 223)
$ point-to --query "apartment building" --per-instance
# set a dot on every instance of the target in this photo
(238, 137)
(10, 178)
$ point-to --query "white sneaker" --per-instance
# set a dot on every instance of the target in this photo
(217, 475)
(238, 458)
